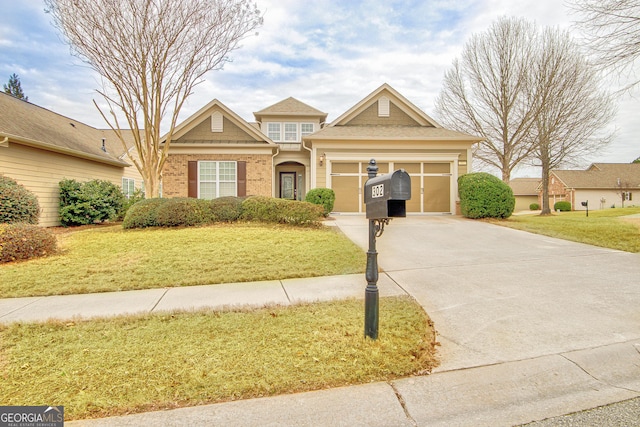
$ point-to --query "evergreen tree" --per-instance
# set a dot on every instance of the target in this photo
(14, 88)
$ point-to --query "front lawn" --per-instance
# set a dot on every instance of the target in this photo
(100, 368)
(112, 259)
(609, 228)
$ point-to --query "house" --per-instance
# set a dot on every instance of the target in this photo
(525, 190)
(602, 185)
(39, 148)
(290, 149)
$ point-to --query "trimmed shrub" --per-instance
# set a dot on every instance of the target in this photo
(482, 195)
(562, 206)
(17, 204)
(143, 214)
(226, 209)
(322, 196)
(281, 211)
(89, 202)
(534, 207)
(137, 196)
(183, 212)
(25, 241)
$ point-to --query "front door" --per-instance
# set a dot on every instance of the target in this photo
(288, 186)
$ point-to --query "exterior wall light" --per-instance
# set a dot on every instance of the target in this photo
(322, 156)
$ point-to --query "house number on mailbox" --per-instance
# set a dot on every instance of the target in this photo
(377, 191)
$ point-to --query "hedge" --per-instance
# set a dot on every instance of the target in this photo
(23, 241)
(17, 204)
(483, 195)
(322, 196)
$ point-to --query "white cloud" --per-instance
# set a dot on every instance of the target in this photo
(327, 53)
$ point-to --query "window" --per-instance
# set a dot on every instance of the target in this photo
(216, 179)
(306, 129)
(128, 187)
(291, 132)
(627, 195)
(273, 131)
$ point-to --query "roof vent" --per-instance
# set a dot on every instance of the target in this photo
(104, 148)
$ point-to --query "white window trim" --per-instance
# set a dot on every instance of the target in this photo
(217, 180)
(129, 181)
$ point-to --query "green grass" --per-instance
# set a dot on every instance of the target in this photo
(123, 365)
(606, 228)
(112, 259)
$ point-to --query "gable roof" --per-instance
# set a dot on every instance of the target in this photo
(28, 124)
(425, 127)
(601, 175)
(207, 110)
(524, 186)
(403, 103)
(290, 107)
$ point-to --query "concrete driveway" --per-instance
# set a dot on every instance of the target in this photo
(499, 295)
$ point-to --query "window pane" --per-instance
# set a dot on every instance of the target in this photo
(207, 171)
(227, 189)
(273, 131)
(290, 131)
(306, 128)
(207, 190)
(227, 171)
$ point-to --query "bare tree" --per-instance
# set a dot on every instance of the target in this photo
(611, 30)
(150, 55)
(575, 110)
(624, 189)
(485, 94)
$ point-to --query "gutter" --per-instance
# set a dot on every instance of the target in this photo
(312, 166)
(62, 150)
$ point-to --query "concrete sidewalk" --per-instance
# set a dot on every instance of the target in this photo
(531, 328)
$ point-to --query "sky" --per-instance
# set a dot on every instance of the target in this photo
(329, 54)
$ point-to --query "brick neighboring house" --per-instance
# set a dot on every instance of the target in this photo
(525, 191)
(603, 185)
(290, 149)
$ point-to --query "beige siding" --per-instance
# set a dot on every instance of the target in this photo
(40, 171)
(396, 117)
(202, 132)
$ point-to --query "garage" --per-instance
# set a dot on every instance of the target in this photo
(432, 185)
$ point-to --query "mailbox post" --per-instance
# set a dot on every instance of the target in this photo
(385, 198)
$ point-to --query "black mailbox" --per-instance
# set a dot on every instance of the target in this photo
(386, 195)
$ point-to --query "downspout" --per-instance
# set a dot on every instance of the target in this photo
(273, 171)
(312, 165)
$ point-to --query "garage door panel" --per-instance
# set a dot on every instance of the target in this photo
(413, 205)
(437, 196)
(346, 189)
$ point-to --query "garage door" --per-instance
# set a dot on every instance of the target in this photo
(430, 185)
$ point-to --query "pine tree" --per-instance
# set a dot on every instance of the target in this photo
(14, 88)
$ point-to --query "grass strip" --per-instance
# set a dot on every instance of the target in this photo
(606, 228)
(112, 259)
(125, 365)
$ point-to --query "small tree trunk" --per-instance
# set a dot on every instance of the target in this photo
(546, 209)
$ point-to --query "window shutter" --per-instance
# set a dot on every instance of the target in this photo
(193, 179)
(242, 179)
(217, 122)
(383, 107)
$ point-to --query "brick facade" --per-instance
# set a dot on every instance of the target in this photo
(176, 180)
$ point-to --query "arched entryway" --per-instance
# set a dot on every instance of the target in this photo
(290, 181)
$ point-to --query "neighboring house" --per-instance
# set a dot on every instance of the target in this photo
(39, 148)
(290, 150)
(525, 191)
(602, 185)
